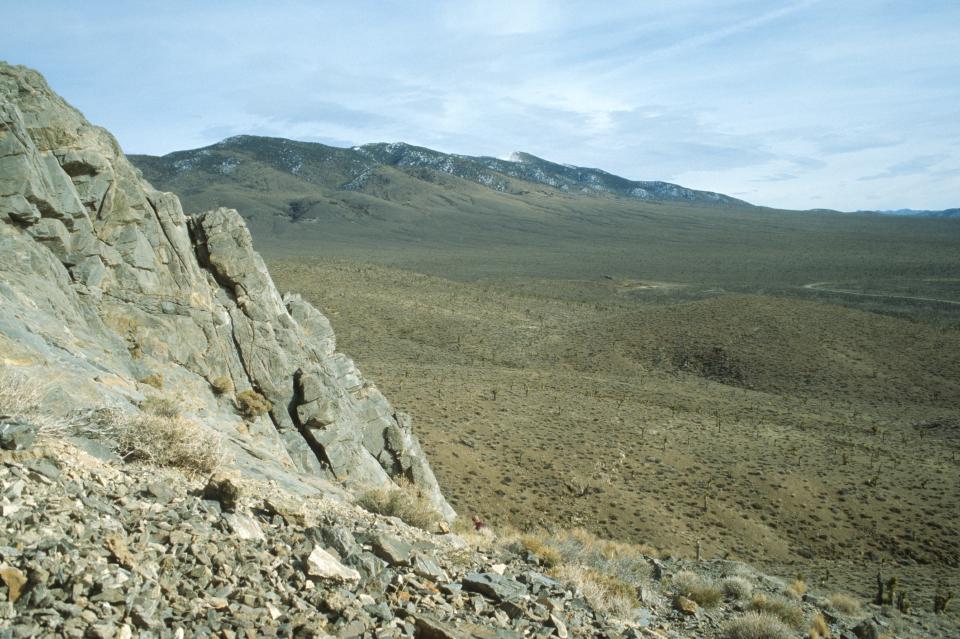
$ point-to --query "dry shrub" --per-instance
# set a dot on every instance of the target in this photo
(404, 501)
(787, 611)
(160, 407)
(756, 625)
(844, 604)
(155, 380)
(697, 588)
(167, 441)
(818, 627)
(252, 404)
(222, 385)
(541, 548)
(23, 397)
(738, 588)
(603, 591)
(797, 589)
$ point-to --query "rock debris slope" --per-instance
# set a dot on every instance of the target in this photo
(105, 283)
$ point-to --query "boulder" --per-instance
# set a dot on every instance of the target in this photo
(322, 564)
(495, 586)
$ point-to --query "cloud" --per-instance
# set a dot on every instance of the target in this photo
(846, 142)
(779, 177)
(914, 166)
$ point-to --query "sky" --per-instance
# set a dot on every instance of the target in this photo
(851, 104)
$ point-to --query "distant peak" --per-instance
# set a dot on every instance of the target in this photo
(236, 139)
(522, 157)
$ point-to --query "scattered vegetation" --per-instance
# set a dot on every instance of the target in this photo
(574, 364)
(252, 404)
(404, 501)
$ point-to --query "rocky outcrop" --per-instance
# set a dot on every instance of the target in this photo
(105, 282)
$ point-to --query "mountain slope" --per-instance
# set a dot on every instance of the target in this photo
(351, 169)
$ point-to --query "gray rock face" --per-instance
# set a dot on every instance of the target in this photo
(104, 281)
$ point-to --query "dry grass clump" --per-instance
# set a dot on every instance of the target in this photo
(604, 591)
(787, 611)
(222, 385)
(403, 501)
(736, 587)
(167, 441)
(818, 627)
(797, 589)
(697, 588)
(252, 404)
(843, 603)
(756, 625)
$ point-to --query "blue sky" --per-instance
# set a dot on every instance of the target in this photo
(803, 104)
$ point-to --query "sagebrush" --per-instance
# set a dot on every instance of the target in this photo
(404, 501)
(756, 625)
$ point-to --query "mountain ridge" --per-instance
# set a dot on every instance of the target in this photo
(358, 162)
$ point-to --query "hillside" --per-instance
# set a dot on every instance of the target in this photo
(801, 435)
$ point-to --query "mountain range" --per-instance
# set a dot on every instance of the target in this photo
(920, 212)
(360, 167)
(367, 169)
